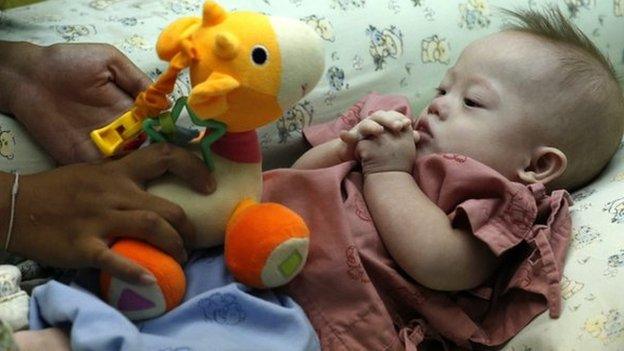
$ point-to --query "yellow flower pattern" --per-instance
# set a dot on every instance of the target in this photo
(435, 49)
(618, 8)
(608, 327)
(390, 46)
(474, 14)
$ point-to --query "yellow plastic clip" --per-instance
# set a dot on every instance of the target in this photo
(110, 139)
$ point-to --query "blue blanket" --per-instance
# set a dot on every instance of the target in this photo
(217, 314)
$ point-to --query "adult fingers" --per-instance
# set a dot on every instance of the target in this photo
(155, 160)
(127, 75)
(169, 211)
(85, 151)
(150, 227)
(100, 256)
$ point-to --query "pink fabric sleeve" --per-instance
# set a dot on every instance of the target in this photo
(321, 133)
(504, 214)
(496, 210)
(535, 283)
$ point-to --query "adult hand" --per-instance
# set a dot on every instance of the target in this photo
(60, 93)
(67, 217)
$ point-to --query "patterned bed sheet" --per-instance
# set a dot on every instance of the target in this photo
(390, 46)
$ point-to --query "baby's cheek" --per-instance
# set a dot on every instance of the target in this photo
(464, 144)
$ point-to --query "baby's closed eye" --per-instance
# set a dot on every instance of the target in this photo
(472, 103)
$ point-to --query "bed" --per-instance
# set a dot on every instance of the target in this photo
(390, 46)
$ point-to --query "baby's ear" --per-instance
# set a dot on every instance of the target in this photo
(547, 164)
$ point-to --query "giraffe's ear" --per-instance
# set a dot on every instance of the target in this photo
(212, 93)
(176, 38)
(213, 14)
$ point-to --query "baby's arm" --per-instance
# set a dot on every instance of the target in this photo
(327, 154)
(419, 235)
(416, 232)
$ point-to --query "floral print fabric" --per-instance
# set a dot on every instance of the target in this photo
(389, 46)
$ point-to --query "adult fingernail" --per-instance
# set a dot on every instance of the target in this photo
(211, 187)
(147, 279)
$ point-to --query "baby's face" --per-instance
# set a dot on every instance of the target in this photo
(487, 103)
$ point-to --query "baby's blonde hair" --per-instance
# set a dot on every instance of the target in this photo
(588, 126)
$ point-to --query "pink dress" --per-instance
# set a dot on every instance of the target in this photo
(358, 298)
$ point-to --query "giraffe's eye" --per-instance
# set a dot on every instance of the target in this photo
(259, 55)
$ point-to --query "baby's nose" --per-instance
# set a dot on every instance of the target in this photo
(438, 107)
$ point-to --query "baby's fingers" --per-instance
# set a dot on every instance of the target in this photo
(365, 129)
(349, 136)
(416, 137)
(370, 128)
(391, 120)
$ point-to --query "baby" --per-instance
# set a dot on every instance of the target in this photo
(463, 199)
(450, 228)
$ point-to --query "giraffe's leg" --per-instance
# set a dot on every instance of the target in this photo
(138, 302)
(266, 244)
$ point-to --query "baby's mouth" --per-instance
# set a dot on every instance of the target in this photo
(422, 127)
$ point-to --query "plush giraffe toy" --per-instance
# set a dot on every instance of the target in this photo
(246, 70)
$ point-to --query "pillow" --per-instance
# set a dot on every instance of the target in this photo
(390, 46)
(593, 308)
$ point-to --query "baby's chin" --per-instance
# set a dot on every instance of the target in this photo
(421, 155)
(425, 150)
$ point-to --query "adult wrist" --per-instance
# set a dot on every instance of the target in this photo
(14, 205)
(17, 60)
(6, 184)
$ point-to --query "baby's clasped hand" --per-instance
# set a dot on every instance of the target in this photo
(384, 142)
(375, 125)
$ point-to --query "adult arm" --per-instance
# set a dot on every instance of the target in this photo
(68, 216)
